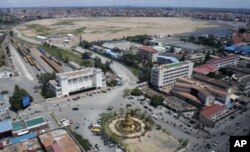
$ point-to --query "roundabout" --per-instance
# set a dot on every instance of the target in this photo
(128, 126)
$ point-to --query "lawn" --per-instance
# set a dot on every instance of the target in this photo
(63, 54)
(39, 29)
(64, 22)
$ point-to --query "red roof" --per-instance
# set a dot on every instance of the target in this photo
(212, 110)
(205, 69)
(56, 147)
(237, 38)
(149, 49)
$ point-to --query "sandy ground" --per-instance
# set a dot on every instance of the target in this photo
(93, 29)
(158, 142)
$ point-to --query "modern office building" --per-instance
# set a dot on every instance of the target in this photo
(224, 61)
(74, 81)
(148, 54)
(163, 77)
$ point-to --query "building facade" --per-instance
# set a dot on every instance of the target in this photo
(224, 61)
(74, 81)
(200, 93)
(148, 54)
(164, 76)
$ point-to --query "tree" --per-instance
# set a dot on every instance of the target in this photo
(16, 99)
(44, 79)
(156, 100)
(85, 44)
(138, 38)
(207, 57)
(129, 59)
(87, 63)
(86, 55)
(172, 49)
(191, 38)
(111, 83)
(86, 145)
(136, 92)
(66, 60)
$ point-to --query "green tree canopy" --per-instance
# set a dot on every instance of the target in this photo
(44, 79)
(136, 92)
(156, 100)
(16, 99)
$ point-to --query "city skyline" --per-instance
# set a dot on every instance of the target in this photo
(138, 3)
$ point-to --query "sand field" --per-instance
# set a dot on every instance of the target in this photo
(107, 28)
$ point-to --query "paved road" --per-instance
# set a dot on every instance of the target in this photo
(26, 79)
(117, 68)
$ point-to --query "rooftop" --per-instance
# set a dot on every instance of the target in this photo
(35, 121)
(5, 68)
(188, 45)
(149, 49)
(230, 56)
(5, 125)
(23, 138)
(32, 144)
(76, 73)
(172, 59)
(211, 81)
(172, 65)
(189, 96)
(62, 138)
(18, 125)
(209, 111)
(205, 69)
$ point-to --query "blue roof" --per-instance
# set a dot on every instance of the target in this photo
(172, 59)
(1, 97)
(5, 125)
(230, 48)
(245, 49)
(23, 138)
(112, 54)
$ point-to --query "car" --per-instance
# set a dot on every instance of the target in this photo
(128, 105)
(209, 146)
(145, 107)
(239, 127)
(245, 129)
(111, 145)
(98, 147)
(75, 108)
(222, 133)
(109, 108)
(99, 121)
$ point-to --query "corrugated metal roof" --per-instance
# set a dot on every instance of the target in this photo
(56, 147)
(22, 138)
(212, 110)
(5, 125)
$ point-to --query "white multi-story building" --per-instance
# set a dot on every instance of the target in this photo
(224, 61)
(164, 76)
(74, 81)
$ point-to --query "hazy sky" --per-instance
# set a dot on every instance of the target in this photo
(166, 3)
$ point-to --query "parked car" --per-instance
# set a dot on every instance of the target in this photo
(98, 147)
(75, 108)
